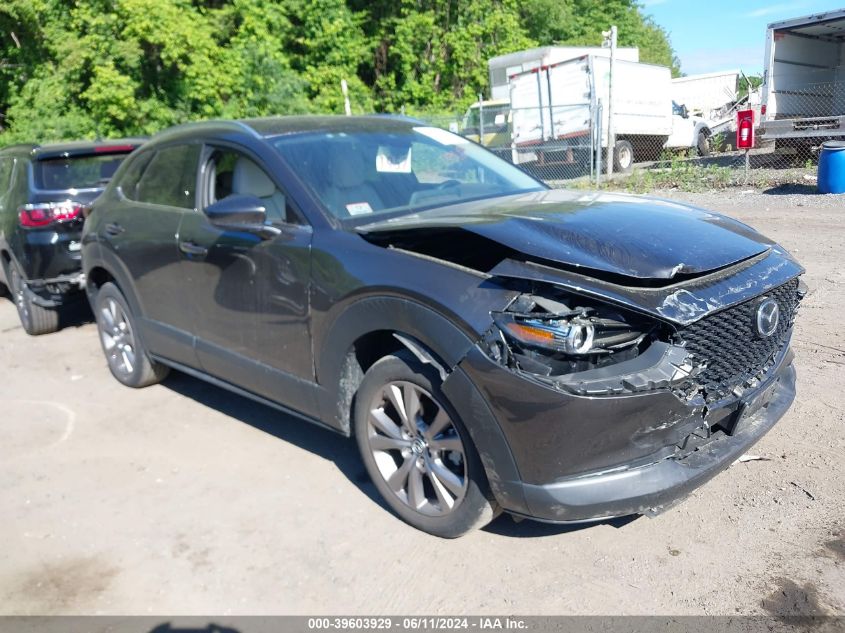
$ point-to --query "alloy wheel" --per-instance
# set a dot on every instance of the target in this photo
(417, 449)
(117, 336)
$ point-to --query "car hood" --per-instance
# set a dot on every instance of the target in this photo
(634, 237)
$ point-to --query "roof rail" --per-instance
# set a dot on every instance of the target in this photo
(210, 123)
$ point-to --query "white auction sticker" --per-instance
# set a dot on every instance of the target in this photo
(359, 208)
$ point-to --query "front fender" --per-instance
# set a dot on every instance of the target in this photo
(448, 345)
(439, 335)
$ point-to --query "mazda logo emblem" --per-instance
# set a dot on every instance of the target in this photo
(768, 315)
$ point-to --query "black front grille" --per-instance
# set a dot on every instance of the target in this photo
(729, 344)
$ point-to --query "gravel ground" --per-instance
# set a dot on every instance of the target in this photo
(185, 499)
(782, 199)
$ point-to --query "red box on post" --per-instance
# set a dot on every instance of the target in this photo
(745, 129)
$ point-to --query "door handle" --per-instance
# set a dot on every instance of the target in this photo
(114, 229)
(189, 248)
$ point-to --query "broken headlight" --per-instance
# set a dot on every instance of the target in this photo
(548, 337)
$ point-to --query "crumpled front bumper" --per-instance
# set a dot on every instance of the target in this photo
(652, 488)
(570, 458)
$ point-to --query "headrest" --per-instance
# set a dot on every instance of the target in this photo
(248, 178)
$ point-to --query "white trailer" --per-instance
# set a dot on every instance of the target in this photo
(707, 94)
(803, 101)
(504, 66)
(554, 108)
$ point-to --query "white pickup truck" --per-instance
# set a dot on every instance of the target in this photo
(803, 102)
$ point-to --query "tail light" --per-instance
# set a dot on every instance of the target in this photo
(763, 109)
(47, 213)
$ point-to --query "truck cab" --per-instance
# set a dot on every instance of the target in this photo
(488, 123)
(688, 131)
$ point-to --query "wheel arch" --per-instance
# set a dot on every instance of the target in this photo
(97, 276)
(103, 268)
(372, 328)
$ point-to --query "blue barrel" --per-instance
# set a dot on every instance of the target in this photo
(832, 167)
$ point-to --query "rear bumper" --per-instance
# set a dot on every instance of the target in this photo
(653, 488)
(818, 128)
(48, 255)
(51, 264)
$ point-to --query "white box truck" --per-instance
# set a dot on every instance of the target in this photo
(553, 109)
(503, 66)
(803, 101)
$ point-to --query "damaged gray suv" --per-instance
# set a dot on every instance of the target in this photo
(491, 344)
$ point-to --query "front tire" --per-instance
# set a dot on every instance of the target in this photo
(417, 451)
(127, 359)
(35, 319)
(703, 143)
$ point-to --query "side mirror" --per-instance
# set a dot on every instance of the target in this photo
(499, 121)
(238, 211)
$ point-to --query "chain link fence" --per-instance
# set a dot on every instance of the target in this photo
(566, 144)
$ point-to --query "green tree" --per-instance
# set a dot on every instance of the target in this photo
(327, 44)
(254, 36)
(433, 53)
(120, 67)
(581, 22)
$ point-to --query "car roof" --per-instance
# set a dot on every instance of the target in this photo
(275, 126)
(280, 125)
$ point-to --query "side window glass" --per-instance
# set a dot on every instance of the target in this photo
(231, 173)
(6, 165)
(170, 177)
(128, 184)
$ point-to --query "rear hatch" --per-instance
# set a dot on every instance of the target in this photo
(65, 178)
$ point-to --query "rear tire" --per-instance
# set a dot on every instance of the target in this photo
(417, 451)
(126, 356)
(623, 157)
(35, 319)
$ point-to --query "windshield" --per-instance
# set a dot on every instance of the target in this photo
(359, 176)
(76, 172)
(494, 116)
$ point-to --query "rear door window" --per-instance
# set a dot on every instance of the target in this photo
(170, 178)
(128, 183)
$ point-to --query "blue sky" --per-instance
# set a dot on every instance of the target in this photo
(710, 35)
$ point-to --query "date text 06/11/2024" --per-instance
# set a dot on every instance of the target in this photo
(426, 623)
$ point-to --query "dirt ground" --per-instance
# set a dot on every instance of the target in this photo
(185, 499)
